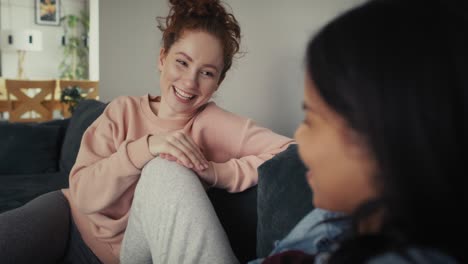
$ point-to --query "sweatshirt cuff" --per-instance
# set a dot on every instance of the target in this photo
(217, 181)
(138, 152)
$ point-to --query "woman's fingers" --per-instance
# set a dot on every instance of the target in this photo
(190, 144)
(189, 148)
(167, 157)
(178, 146)
(180, 153)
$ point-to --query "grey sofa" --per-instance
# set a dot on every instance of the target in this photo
(37, 158)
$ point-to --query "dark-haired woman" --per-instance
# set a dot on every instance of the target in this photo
(210, 145)
(385, 117)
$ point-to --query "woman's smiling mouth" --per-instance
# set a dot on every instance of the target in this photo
(183, 95)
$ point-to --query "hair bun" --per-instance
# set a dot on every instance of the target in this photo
(197, 8)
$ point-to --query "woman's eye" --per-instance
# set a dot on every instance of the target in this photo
(207, 73)
(181, 62)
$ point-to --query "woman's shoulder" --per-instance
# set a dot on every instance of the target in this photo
(125, 100)
(123, 107)
(125, 104)
(211, 112)
(211, 107)
(413, 256)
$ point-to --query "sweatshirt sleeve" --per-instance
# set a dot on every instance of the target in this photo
(237, 147)
(256, 145)
(107, 163)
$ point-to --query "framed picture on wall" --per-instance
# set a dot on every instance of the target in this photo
(47, 12)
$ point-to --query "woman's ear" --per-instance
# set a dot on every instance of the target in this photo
(162, 58)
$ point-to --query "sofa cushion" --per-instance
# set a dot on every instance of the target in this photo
(84, 115)
(238, 215)
(283, 198)
(29, 148)
(16, 190)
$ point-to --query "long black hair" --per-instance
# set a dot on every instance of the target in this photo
(397, 72)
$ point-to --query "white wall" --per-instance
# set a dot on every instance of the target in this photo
(128, 47)
(266, 84)
(19, 14)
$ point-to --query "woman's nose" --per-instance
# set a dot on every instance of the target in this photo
(189, 81)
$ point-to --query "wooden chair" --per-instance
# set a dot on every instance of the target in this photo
(30, 104)
(90, 87)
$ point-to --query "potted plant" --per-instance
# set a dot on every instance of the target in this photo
(71, 96)
(74, 65)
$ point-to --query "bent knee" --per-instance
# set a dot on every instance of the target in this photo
(159, 166)
(162, 165)
(160, 177)
(160, 172)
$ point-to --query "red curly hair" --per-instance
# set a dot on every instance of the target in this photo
(204, 15)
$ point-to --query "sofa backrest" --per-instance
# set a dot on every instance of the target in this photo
(86, 112)
(28, 148)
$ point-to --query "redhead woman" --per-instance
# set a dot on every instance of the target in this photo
(138, 149)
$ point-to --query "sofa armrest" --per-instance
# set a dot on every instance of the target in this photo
(284, 198)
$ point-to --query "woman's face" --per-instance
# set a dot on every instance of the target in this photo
(190, 72)
(340, 167)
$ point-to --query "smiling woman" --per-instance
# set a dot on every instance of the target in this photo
(120, 162)
(189, 74)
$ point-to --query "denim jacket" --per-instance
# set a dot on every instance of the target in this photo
(316, 235)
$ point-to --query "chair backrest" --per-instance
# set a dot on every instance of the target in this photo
(91, 87)
(30, 98)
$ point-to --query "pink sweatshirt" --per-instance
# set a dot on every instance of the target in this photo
(114, 150)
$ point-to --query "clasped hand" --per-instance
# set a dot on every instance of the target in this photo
(179, 147)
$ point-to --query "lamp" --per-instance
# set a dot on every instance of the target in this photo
(21, 41)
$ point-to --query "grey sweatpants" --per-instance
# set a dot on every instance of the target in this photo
(172, 220)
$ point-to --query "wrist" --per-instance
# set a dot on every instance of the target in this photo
(151, 150)
(208, 175)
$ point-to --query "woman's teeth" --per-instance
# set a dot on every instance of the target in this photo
(183, 94)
